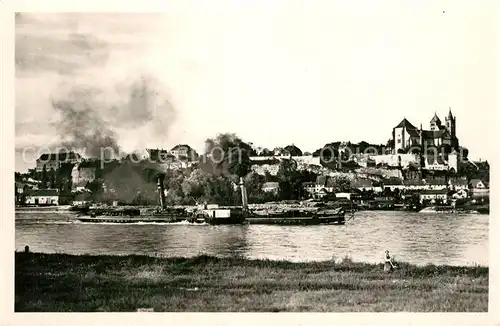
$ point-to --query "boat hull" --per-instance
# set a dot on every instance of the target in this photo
(298, 217)
(128, 220)
(337, 220)
(132, 215)
(225, 221)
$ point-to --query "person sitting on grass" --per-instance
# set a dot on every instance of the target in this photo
(388, 264)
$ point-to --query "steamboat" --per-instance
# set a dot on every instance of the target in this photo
(116, 214)
(210, 214)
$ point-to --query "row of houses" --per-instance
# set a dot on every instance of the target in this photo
(319, 191)
(427, 190)
(431, 188)
(181, 152)
(40, 197)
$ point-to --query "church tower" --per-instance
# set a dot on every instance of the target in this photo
(451, 124)
(435, 122)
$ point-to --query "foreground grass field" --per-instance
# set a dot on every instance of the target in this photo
(58, 282)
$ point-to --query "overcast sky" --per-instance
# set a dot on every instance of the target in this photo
(273, 72)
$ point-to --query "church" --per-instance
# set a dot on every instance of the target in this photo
(406, 136)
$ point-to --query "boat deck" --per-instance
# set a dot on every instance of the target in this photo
(295, 220)
(118, 219)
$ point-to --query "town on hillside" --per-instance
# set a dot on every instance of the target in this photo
(417, 168)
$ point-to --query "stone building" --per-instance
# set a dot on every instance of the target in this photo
(406, 136)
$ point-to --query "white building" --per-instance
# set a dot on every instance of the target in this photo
(479, 188)
(434, 195)
(271, 187)
(460, 194)
(52, 161)
(43, 197)
(83, 173)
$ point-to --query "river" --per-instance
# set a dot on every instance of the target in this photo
(452, 239)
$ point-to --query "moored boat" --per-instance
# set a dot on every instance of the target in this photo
(438, 209)
(113, 214)
(300, 217)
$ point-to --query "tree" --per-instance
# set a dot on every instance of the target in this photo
(44, 180)
(192, 185)
(293, 150)
(387, 191)
(269, 177)
(390, 143)
(228, 154)
(96, 188)
(288, 180)
(342, 183)
(397, 193)
(349, 165)
(266, 152)
(468, 170)
(53, 179)
(253, 183)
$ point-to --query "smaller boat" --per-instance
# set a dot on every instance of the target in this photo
(80, 208)
(484, 209)
(439, 209)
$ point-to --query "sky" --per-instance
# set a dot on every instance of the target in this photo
(273, 72)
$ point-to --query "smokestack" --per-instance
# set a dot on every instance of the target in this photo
(161, 189)
(244, 198)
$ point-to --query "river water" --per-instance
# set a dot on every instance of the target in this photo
(453, 239)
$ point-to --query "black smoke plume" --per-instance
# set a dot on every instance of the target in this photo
(91, 116)
(81, 127)
(227, 154)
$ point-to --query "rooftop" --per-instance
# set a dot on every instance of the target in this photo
(61, 156)
(180, 146)
(476, 182)
(405, 124)
(45, 193)
(413, 182)
(393, 182)
(362, 183)
(434, 192)
(435, 118)
(458, 182)
(433, 133)
(435, 181)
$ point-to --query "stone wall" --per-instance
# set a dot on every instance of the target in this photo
(393, 159)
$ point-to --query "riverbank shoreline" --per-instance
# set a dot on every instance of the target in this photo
(63, 283)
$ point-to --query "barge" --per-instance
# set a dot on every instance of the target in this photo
(455, 210)
(438, 209)
(132, 215)
(115, 214)
(299, 217)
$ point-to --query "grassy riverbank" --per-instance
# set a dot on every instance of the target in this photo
(58, 282)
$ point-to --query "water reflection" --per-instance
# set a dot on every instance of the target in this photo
(411, 237)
